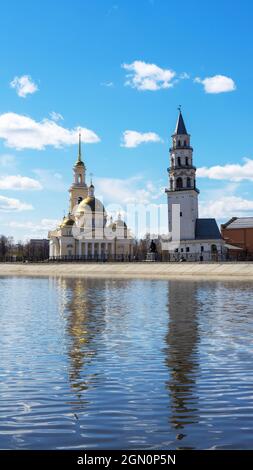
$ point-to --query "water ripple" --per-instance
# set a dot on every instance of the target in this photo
(125, 364)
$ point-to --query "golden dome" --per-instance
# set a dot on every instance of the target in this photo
(94, 204)
(67, 222)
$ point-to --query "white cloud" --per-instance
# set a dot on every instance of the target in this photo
(56, 116)
(18, 182)
(232, 172)
(27, 229)
(43, 224)
(226, 207)
(23, 132)
(133, 138)
(125, 191)
(217, 84)
(13, 205)
(24, 85)
(145, 76)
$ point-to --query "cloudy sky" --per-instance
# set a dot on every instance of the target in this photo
(118, 70)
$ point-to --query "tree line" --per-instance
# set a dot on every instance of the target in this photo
(22, 250)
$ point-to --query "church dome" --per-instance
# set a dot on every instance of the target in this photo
(67, 222)
(93, 203)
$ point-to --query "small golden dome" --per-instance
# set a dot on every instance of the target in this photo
(67, 222)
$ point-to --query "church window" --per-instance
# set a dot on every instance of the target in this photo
(79, 178)
(187, 249)
(171, 183)
(179, 143)
(185, 143)
(202, 248)
(179, 183)
(182, 250)
(186, 161)
(179, 161)
(176, 250)
(79, 200)
(188, 182)
(181, 214)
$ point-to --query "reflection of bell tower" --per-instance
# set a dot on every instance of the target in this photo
(182, 342)
(78, 190)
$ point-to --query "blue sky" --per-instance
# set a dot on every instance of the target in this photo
(88, 63)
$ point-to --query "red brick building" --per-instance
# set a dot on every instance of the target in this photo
(238, 231)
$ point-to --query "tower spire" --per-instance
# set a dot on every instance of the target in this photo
(79, 149)
(180, 126)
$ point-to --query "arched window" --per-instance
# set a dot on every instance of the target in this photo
(79, 200)
(179, 161)
(213, 248)
(186, 161)
(179, 143)
(188, 182)
(185, 143)
(79, 178)
(179, 183)
(171, 183)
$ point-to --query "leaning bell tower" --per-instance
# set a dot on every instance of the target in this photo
(182, 181)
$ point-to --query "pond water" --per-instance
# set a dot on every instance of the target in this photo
(130, 364)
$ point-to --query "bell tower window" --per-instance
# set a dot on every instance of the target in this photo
(179, 183)
(179, 161)
(188, 182)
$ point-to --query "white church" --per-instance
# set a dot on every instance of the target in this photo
(199, 239)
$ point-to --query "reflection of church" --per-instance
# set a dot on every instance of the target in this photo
(85, 233)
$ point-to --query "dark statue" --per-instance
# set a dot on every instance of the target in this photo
(152, 248)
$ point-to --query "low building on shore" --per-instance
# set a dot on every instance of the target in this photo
(238, 232)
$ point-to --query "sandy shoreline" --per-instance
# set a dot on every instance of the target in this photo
(203, 271)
